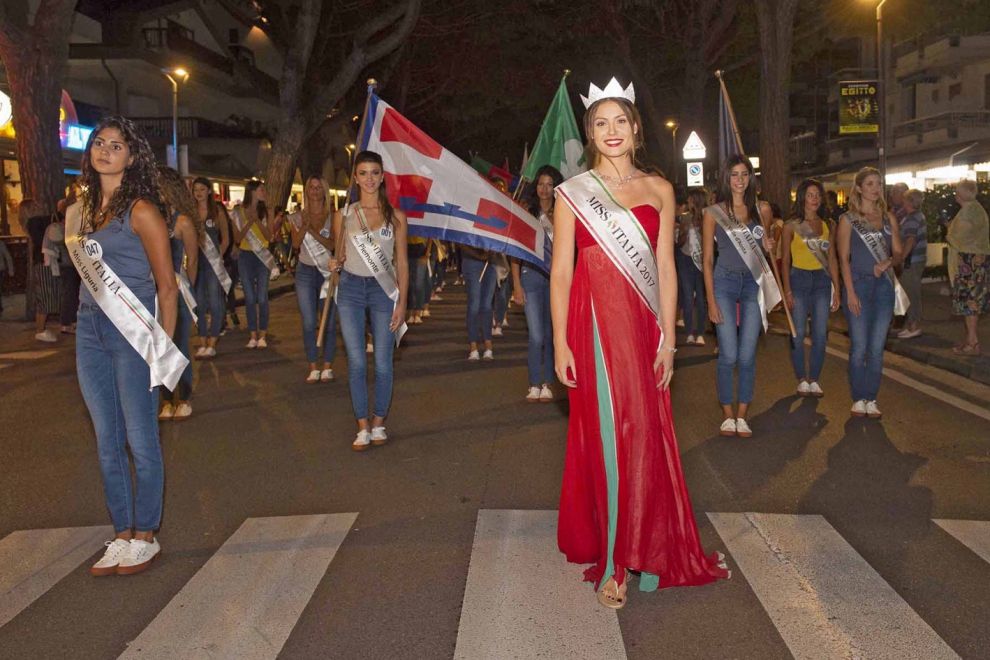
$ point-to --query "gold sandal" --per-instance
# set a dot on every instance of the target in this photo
(613, 602)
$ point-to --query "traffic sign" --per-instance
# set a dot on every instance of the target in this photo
(694, 148)
(695, 174)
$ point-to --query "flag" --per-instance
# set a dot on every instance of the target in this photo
(494, 172)
(525, 157)
(443, 197)
(559, 143)
(729, 141)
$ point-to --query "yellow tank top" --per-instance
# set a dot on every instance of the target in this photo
(801, 256)
(241, 220)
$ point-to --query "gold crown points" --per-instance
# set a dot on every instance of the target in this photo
(613, 90)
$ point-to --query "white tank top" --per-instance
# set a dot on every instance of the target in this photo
(354, 263)
(297, 221)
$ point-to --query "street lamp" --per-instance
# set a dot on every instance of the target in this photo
(175, 76)
(881, 94)
(673, 126)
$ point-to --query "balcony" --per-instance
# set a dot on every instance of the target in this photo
(180, 41)
(943, 127)
(933, 54)
(159, 129)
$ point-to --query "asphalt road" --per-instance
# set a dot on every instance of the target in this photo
(280, 541)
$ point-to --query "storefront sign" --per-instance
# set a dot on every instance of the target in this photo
(859, 109)
(70, 133)
(76, 136)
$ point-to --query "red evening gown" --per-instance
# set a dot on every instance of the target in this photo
(622, 455)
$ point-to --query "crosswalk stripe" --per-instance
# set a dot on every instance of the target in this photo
(34, 560)
(823, 597)
(974, 534)
(246, 599)
(524, 601)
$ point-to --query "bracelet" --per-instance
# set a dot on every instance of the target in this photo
(668, 348)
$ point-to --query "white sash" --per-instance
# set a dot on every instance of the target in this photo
(185, 288)
(370, 251)
(879, 251)
(319, 255)
(752, 255)
(257, 246)
(131, 318)
(817, 245)
(694, 246)
(212, 254)
(618, 232)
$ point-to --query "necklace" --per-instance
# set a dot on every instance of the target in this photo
(617, 182)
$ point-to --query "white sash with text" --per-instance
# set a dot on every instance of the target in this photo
(370, 251)
(257, 246)
(879, 251)
(212, 254)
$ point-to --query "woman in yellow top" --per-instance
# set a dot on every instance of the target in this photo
(252, 233)
(811, 280)
(969, 264)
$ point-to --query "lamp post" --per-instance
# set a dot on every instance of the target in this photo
(881, 94)
(174, 76)
(673, 126)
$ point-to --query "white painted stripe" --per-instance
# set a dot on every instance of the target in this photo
(524, 601)
(903, 379)
(824, 599)
(31, 562)
(974, 534)
(27, 355)
(246, 599)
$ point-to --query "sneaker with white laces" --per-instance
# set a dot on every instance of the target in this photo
(326, 375)
(546, 395)
(488, 356)
(473, 356)
(362, 441)
(262, 343)
(107, 565)
(378, 437)
(699, 340)
(859, 409)
(533, 396)
(167, 413)
(690, 340)
(909, 334)
(182, 411)
(742, 428)
(804, 388)
(313, 377)
(728, 427)
(872, 411)
(47, 336)
(496, 331)
(140, 555)
(816, 390)
(252, 344)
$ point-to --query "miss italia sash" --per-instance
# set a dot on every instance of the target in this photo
(185, 288)
(817, 245)
(257, 246)
(318, 254)
(122, 307)
(879, 251)
(371, 252)
(752, 255)
(694, 245)
(212, 254)
(619, 233)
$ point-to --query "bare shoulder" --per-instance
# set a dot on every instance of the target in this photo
(657, 183)
(765, 208)
(400, 217)
(145, 216)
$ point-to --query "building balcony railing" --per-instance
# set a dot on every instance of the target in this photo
(180, 41)
(190, 128)
(950, 121)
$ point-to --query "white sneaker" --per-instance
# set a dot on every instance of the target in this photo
(533, 396)
(370, 348)
(426, 313)
(362, 441)
(473, 356)
(201, 352)
(488, 356)
(909, 334)
(182, 411)
(496, 332)
(378, 436)
(804, 388)
(140, 555)
(313, 377)
(742, 428)
(252, 344)
(326, 375)
(872, 411)
(47, 336)
(680, 323)
(505, 322)
(728, 427)
(167, 413)
(211, 352)
(107, 565)
(816, 390)
(859, 409)
(699, 340)
(546, 396)
(690, 340)
(262, 343)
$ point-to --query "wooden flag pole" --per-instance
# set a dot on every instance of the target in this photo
(339, 242)
(773, 261)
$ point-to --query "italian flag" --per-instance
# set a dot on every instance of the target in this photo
(559, 143)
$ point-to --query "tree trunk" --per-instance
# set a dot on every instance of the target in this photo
(776, 21)
(282, 166)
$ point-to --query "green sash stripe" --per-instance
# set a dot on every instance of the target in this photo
(632, 217)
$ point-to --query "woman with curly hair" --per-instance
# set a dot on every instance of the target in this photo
(185, 231)
(118, 240)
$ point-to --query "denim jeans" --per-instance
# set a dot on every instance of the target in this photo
(355, 296)
(812, 291)
(479, 298)
(536, 285)
(439, 272)
(115, 380)
(254, 280)
(419, 285)
(309, 281)
(692, 290)
(183, 331)
(502, 296)
(868, 333)
(737, 344)
(209, 299)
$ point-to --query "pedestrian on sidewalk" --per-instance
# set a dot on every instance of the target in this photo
(375, 281)
(810, 274)
(969, 264)
(914, 256)
(690, 269)
(311, 238)
(212, 279)
(868, 242)
(532, 291)
(45, 270)
(253, 234)
(185, 232)
(118, 224)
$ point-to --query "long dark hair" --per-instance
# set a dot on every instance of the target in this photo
(178, 198)
(140, 181)
(697, 200)
(533, 201)
(724, 191)
(248, 202)
(212, 208)
(797, 213)
(384, 205)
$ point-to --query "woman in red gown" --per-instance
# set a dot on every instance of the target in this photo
(624, 504)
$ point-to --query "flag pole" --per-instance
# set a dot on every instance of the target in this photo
(735, 132)
(339, 241)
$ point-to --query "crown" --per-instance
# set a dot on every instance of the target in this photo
(612, 90)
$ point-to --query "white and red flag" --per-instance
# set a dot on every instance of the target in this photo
(444, 197)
